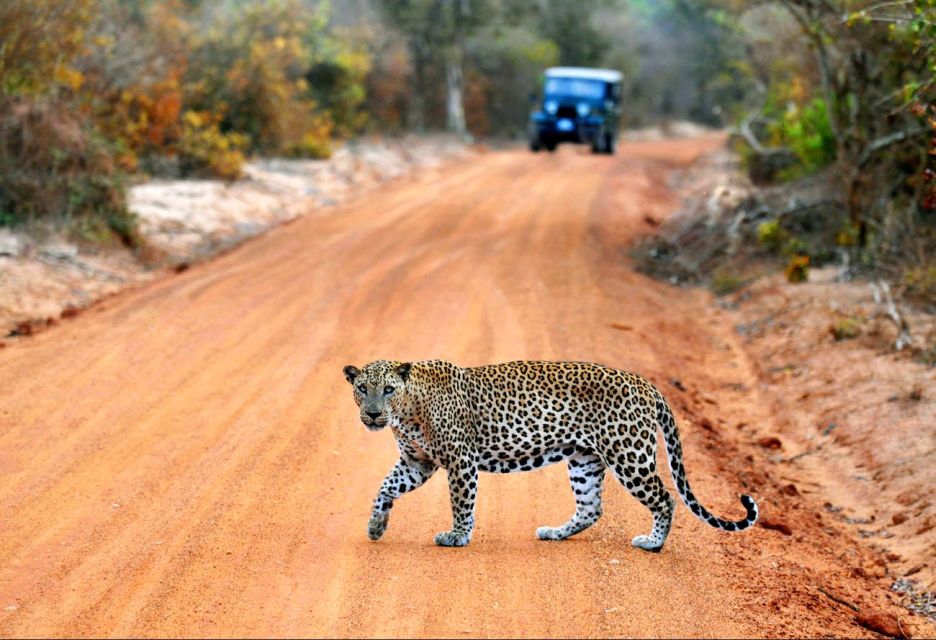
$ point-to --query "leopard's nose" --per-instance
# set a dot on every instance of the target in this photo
(373, 414)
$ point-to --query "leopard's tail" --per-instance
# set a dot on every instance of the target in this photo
(678, 469)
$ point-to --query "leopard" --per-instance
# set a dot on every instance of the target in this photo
(520, 416)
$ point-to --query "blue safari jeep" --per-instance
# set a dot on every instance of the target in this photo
(578, 105)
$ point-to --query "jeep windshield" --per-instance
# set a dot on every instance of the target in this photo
(574, 88)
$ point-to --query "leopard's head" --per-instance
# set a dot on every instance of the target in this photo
(378, 389)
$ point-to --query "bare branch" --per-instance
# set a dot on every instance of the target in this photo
(744, 130)
(886, 5)
(888, 19)
(802, 16)
(883, 142)
(882, 294)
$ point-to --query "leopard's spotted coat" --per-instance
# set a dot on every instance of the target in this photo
(521, 416)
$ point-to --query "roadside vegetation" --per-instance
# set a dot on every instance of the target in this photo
(836, 129)
(845, 91)
(95, 91)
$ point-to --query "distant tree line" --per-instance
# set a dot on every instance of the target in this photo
(471, 65)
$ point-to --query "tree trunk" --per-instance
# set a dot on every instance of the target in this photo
(416, 111)
(455, 109)
(809, 15)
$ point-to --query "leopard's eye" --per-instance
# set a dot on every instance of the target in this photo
(362, 388)
(387, 390)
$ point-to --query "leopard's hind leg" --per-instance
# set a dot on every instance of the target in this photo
(586, 475)
(662, 506)
(642, 481)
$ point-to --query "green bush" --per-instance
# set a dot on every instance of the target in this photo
(795, 246)
(771, 235)
(336, 79)
(508, 62)
(847, 236)
(806, 130)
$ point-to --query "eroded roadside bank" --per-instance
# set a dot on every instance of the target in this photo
(846, 371)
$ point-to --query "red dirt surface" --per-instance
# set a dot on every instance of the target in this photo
(186, 460)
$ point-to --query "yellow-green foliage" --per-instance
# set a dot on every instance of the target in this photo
(795, 247)
(805, 129)
(799, 121)
(725, 282)
(772, 235)
(847, 237)
(250, 68)
(38, 40)
(315, 142)
(846, 329)
(204, 151)
(337, 80)
(920, 282)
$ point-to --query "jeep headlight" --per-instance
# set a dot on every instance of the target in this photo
(583, 109)
(551, 107)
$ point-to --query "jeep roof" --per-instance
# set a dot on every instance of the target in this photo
(585, 73)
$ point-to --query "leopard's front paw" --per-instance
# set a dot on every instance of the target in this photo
(377, 525)
(452, 539)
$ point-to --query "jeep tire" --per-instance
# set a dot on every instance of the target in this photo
(597, 145)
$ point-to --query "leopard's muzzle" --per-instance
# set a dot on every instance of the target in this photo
(374, 421)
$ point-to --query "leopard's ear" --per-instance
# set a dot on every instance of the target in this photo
(350, 373)
(404, 370)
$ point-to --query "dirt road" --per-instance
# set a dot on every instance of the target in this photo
(186, 459)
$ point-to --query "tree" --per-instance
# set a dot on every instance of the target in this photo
(873, 62)
(438, 29)
(569, 24)
(38, 42)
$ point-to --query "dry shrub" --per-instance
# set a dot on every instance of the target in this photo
(919, 284)
(725, 281)
(846, 328)
(38, 39)
(797, 270)
(54, 164)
